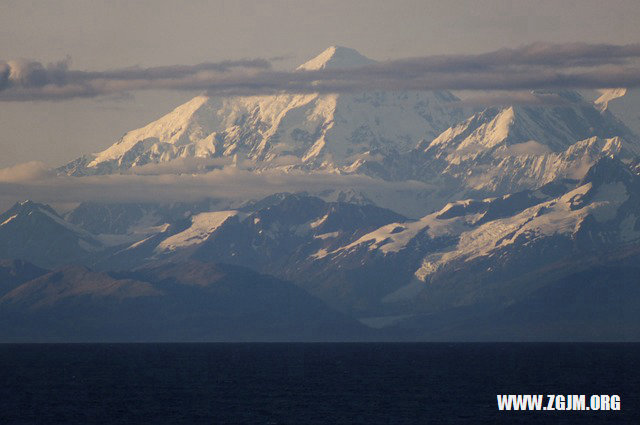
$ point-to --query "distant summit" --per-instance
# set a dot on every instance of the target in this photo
(336, 57)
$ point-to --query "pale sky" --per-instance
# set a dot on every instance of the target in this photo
(100, 35)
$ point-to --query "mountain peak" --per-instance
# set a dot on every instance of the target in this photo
(609, 170)
(28, 205)
(335, 57)
(607, 95)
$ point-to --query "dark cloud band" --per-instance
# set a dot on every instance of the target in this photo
(536, 66)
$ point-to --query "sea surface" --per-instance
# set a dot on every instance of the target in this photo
(368, 383)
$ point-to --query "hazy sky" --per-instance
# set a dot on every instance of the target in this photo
(100, 35)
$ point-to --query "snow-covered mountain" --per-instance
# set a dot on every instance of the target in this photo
(469, 247)
(511, 168)
(310, 131)
(135, 218)
(336, 57)
(624, 104)
(505, 150)
(272, 236)
(336, 251)
(33, 231)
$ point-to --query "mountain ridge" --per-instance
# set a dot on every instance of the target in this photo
(308, 131)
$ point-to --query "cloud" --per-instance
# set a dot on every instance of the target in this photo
(22, 79)
(25, 172)
(526, 148)
(227, 182)
(535, 66)
(506, 98)
(189, 165)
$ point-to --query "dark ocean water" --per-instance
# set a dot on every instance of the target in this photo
(308, 383)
